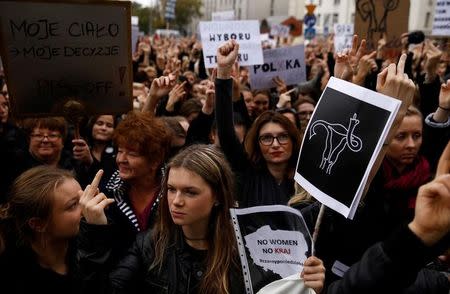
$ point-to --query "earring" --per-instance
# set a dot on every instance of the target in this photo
(216, 204)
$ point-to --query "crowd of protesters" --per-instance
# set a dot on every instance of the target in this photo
(140, 201)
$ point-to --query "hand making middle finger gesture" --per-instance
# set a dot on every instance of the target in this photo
(93, 203)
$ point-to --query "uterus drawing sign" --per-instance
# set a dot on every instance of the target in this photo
(338, 138)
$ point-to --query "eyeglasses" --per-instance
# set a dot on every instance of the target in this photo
(305, 113)
(267, 139)
(50, 137)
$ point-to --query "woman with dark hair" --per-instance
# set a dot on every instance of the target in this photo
(192, 247)
(265, 169)
(97, 151)
(37, 230)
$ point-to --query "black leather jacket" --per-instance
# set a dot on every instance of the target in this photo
(181, 272)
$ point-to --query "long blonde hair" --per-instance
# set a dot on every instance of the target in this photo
(210, 164)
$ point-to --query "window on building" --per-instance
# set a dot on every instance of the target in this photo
(271, 7)
(337, 2)
(326, 20)
(318, 19)
(335, 18)
(353, 17)
(427, 20)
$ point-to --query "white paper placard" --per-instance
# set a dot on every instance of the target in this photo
(441, 23)
(273, 243)
(342, 142)
(245, 32)
(222, 15)
(279, 30)
(343, 35)
(288, 63)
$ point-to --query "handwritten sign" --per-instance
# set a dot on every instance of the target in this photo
(344, 136)
(441, 24)
(279, 30)
(374, 18)
(288, 63)
(343, 34)
(222, 15)
(245, 32)
(55, 52)
(273, 243)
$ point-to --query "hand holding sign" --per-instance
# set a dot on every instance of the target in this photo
(432, 214)
(93, 203)
(314, 274)
(226, 57)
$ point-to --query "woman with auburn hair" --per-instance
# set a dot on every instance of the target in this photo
(192, 247)
(37, 230)
(265, 169)
(142, 148)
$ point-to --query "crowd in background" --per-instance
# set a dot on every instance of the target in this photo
(199, 142)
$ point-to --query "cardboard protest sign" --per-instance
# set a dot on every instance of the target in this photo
(344, 137)
(55, 52)
(374, 18)
(222, 15)
(279, 30)
(287, 62)
(343, 35)
(245, 32)
(273, 243)
(441, 23)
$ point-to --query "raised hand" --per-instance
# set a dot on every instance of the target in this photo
(93, 203)
(432, 58)
(314, 274)
(393, 82)
(366, 66)
(342, 68)
(208, 106)
(432, 213)
(356, 53)
(81, 152)
(281, 85)
(175, 95)
(226, 57)
(444, 96)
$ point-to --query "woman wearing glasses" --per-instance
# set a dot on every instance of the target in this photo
(45, 146)
(265, 169)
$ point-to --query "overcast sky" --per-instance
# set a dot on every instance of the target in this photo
(146, 2)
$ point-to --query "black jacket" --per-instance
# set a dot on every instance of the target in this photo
(181, 272)
(255, 186)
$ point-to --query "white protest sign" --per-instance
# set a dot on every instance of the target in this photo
(245, 32)
(441, 24)
(344, 136)
(273, 243)
(222, 15)
(343, 34)
(54, 52)
(134, 20)
(279, 30)
(287, 62)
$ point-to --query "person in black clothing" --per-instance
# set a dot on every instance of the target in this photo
(97, 151)
(192, 248)
(265, 170)
(37, 229)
